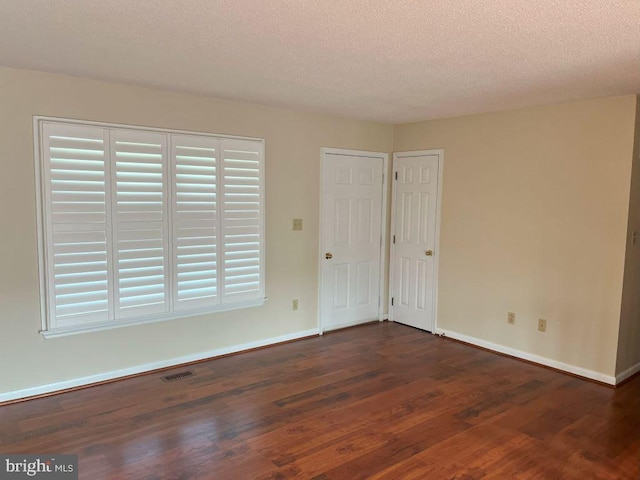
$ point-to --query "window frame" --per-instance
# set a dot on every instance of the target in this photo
(44, 232)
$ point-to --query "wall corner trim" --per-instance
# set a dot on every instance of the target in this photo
(89, 380)
(530, 357)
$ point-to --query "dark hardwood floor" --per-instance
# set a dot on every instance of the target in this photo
(380, 401)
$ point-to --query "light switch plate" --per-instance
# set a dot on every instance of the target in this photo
(297, 224)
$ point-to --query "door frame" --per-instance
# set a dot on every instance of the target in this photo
(436, 260)
(383, 225)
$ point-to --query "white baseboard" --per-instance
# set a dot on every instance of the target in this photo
(621, 377)
(582, 372)
(112, 375)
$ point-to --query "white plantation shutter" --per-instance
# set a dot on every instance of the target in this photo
(140, 226)
(76, 175)
(195, 221)
(242, 220)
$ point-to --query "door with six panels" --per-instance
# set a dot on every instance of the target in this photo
(351, 239)
(413, 238)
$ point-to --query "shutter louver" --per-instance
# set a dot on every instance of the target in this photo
(242, 218)
(140, 225)
(195, 230)
(76, 213)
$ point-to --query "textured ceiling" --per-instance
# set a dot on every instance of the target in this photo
(384, 60)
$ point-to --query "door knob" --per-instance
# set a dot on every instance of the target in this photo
(328, 256)
(429, 253)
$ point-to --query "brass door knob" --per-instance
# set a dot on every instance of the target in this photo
(429, 253)
(328, 256)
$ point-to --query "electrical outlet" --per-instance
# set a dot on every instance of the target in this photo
(542, 325)
(634, 237)
(294, 304)
(511, 318)
(297, 224)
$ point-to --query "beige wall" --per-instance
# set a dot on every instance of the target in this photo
(534, 218)
(293, 142)
(629, 337)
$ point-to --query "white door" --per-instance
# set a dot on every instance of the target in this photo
(351, 238)
(414, 238)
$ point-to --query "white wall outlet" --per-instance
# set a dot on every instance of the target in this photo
(542, 325)
(294, 304)
(297, 224)
(511, 318)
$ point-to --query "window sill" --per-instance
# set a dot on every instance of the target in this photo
(97, 327)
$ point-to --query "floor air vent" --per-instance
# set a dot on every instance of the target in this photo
(176, 376)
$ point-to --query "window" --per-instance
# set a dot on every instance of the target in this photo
(141, 225)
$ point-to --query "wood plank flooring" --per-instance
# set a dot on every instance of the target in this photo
(382, 401)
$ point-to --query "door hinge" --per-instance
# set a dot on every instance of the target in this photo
(396, 175)
(392, 301)
(394, 239)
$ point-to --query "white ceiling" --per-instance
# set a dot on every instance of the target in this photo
(385, 60)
